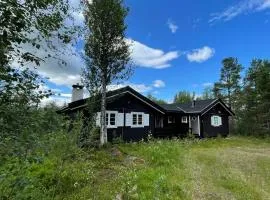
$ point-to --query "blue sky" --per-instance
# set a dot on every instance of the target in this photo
(179, 45)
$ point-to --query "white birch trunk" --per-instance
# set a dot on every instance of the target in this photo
(103, 127)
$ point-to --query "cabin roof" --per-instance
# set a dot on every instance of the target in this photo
(200, 106)
(111, 96)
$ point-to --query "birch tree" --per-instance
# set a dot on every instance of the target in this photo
(106, 49)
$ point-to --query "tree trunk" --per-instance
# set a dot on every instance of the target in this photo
(103, 126)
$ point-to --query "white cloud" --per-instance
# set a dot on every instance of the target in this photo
(57, 100)
(145, 56)
(142, 88)
(200, 55)
(172, 26)
(69, 74)
(243, 7)
(207, 84)
(159, 84)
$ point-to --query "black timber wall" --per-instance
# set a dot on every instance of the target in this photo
(127, 104)
(207, 130)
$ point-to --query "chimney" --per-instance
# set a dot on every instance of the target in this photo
(77, 92)
(193, 103)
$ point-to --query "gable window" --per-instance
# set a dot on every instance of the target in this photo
(216, 121)
(171, 119)
(184, 120)
(137, 119)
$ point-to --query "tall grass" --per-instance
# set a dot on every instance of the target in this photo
(232, 168)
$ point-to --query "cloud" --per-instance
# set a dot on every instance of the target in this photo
(207, 84)
(57, 100)
(243, 7)
(200, 55)
(142, 88)
(159, 84)
(145, 56)
(172, 26)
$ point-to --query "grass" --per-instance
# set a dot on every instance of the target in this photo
(231, 168)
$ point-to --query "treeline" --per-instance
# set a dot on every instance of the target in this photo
(248, 95)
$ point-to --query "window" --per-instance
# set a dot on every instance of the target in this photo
(107, 119)
(171, 119)
(140, 119)
(112, 119)
(134, 119)
(137, 119)
(184, 119)
(216, 121)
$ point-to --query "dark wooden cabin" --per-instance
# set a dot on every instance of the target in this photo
(133, 116)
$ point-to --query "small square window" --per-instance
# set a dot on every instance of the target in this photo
(184, 119)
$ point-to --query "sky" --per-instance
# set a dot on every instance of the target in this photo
(177, 45)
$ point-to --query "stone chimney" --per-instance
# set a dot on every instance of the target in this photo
(193, 103)
(77, 92)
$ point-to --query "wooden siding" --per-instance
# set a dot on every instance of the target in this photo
(207, 130)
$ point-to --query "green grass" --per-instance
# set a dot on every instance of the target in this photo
(231, 168)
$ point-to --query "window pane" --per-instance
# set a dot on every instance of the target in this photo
(134, 119)
(107, 118)
(112, 119)
(184, 119)
(216, 120)
(140, 119)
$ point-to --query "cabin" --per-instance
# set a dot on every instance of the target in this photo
(133, 117)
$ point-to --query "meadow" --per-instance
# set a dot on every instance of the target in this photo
(222, 168)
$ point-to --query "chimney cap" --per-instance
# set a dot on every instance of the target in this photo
(77, 86)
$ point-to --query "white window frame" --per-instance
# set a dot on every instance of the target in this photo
(184, 119)
(137, 125)
(109, 119)
(219, 120)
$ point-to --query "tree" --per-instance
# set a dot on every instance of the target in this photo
(255, 114)
(33, 23)
(28, 22)
(156, 100)
(106, 49)
(229, 84)
(207, 93)
(184, 97)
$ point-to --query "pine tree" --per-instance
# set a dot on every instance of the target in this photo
(228, 86)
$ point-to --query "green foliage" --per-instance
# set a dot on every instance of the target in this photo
(207, 93)
(228, 86)
(20, 134)
(184, 97)
(156, 100)
(163, 169)
(255, 114)
(107, 52)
